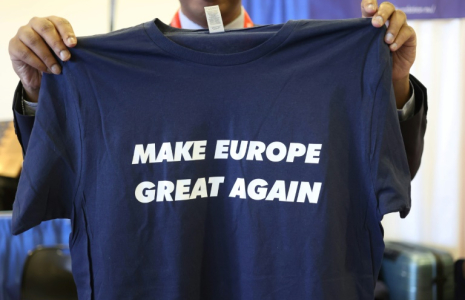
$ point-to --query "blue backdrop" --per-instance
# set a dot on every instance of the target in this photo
(14, 250)
(279, 11)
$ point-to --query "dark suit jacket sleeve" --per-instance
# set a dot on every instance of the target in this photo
(23, 124)
(413, 129)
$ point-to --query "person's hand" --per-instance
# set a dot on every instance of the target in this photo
(31, 51)
(402, 41)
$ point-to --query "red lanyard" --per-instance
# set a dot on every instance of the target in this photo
(176, 22)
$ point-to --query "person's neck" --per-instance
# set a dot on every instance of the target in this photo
(228, 14)
(186, 23)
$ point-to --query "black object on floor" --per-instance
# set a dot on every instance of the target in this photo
(47, 275)
(459, 270)
(381, 291)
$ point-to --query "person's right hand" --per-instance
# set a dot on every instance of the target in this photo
(31, 51)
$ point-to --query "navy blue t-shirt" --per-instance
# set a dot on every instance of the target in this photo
(251, 164)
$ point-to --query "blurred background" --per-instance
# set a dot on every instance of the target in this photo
(437, 217)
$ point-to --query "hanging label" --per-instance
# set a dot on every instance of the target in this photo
(214, 20)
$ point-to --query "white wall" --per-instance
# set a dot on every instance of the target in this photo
(87, 17)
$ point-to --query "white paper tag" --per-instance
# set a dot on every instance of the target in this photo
(214, 20)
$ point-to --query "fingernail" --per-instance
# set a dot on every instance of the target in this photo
(64, 54)
(379, 20)
(389, 38)
(72, 40)
(370, 7)
(55, 69)
(393, 46)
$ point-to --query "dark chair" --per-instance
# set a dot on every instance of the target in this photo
(459, 270)
(381, 291)
(47, 275)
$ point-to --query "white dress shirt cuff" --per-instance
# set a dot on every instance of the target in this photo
(408, 110)
(29, 108)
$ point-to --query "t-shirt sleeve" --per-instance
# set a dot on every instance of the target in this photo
(389, 166)
(51, 169)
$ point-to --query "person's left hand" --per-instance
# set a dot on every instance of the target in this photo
(401, 39)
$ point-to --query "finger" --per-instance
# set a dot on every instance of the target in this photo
(49, 34)
(386, 9)
(65, 29)
(406, 38)
(19, 52)
(36, 44)
(397, 21)
(369, 8)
